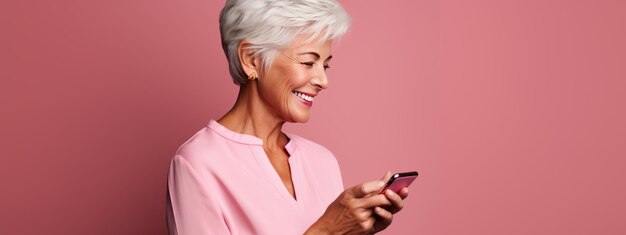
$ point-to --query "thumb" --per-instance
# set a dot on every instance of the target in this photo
(367, 188)
(387, 176)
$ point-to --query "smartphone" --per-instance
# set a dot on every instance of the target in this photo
(399, 181)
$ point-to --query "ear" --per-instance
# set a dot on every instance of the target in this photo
(249, 61)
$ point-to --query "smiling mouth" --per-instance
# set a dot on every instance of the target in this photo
(303, 96)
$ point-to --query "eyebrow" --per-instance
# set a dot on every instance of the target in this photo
(316, 55)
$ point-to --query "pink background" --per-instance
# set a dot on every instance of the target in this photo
(512, 111)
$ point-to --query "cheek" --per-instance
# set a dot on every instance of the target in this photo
(290, 79)
(298, 77)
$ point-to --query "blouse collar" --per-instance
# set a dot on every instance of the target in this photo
(245, 139)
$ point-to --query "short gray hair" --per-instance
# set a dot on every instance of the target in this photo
(271, 25)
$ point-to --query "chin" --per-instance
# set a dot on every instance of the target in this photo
(298, 113)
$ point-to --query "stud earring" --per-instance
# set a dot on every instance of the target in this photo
(252, 76)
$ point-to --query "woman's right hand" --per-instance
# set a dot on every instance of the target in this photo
(353, 210)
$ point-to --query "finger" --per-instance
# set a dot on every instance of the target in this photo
(383, 219)
(366, 226)
(404, 193)
(384, 215)
(385, 179)
(387, 176)
(364, 189)
(396, 201)
(363, 215)
(374, 201)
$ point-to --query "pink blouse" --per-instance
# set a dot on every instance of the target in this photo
(221, 182)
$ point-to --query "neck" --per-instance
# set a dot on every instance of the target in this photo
(251, 116)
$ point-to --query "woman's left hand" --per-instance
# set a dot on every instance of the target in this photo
(385, 214)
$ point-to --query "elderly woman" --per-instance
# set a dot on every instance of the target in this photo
(242, 174)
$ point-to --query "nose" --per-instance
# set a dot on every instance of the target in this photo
(320, 79)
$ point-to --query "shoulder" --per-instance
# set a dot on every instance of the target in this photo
(205, 147)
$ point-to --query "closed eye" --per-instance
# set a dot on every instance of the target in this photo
(310, 65)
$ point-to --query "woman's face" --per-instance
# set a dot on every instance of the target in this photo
(296, 76)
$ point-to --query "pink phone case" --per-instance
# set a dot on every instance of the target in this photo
(399, 181)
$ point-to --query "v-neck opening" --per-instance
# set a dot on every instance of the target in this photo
(290, 148)
(272, 175)
(292, 173)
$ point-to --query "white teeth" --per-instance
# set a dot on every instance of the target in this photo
(303, 96)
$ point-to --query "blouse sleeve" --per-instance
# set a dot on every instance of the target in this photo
(193, 210)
